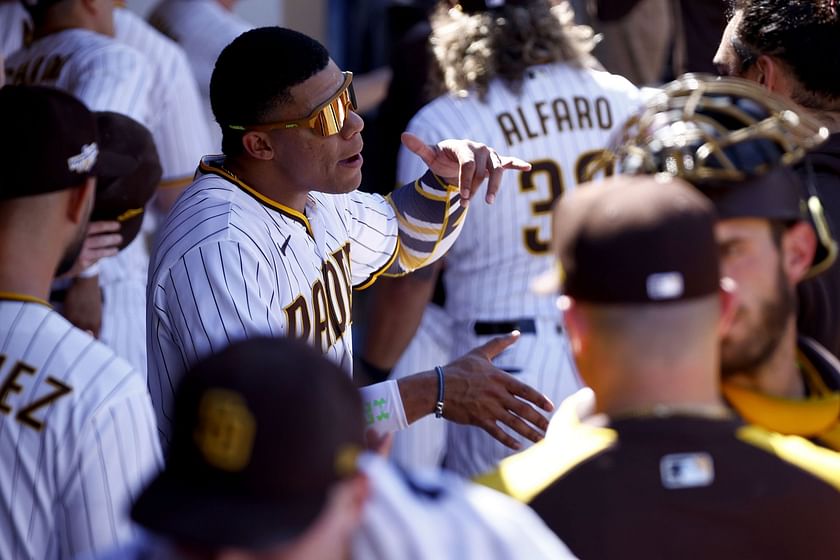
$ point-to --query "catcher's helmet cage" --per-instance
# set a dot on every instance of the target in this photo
(729, 137)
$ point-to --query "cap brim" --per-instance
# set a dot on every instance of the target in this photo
(205, 517)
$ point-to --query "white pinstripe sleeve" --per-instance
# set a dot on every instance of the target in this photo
(117, 81)
(434, 515)
(215, 294)
(120, 453)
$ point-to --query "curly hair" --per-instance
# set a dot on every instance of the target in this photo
(802, 34)
(472, 49)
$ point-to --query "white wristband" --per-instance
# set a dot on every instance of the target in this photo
(383, 407)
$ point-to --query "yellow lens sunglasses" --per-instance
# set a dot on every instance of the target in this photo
(327, 119)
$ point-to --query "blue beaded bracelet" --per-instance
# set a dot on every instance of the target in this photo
(439, 404)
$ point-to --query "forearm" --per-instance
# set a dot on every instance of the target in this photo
(430, 219)
(395, 315)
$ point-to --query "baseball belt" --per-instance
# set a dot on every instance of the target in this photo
(524, 326)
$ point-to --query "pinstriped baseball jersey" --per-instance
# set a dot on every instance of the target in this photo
(78, 437)
(563, 117)
(107, 76)
(202, 28)
(230, 264)
(104, 74)
(180, 131)
(429, 514)
(13, 17)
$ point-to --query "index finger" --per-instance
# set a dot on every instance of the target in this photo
(510, 162)
(105, 226)
(528, 393)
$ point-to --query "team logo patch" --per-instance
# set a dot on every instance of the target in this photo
(226, 429)
(686, 470)
(666, 285)
(84, 161)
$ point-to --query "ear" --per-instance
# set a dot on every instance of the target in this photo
(80, 201)
(258, 145)
(799, 243)
(728, 305)
(575, 322)
(771, 74)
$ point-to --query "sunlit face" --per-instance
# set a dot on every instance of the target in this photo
(308, 161)
(751, 257)
(733, 57)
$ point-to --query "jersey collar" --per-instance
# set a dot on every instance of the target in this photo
(215, 166)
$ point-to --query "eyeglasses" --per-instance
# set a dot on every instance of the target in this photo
(326, 119)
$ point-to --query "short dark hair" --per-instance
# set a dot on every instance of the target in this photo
(802, 34)
(254, 73)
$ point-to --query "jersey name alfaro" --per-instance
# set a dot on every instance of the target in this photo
(543, 118)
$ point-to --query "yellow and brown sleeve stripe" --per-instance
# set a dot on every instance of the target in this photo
(430, 218)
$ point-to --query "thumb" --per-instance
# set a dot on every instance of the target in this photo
(497, 345)
(416, 145)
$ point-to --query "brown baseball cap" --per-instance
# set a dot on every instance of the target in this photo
(48, 142)
(637, 240)
(262, 431)
(123, 196)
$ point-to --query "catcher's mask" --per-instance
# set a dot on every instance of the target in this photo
(735, 141)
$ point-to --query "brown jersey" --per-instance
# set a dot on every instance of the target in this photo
(681, 487)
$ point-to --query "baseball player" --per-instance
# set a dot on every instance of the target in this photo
(549, 106)
(76, 425)
(106, 75)
(736, 142)
(272, 237)
(672, 473)
(202, 28)
(80, 54)
(247, 495)
(772, 42)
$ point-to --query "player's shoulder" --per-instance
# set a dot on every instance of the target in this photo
(178, 18)
(613, 83)
(164, 54)
(442, 504)
(817, 461)
(525, 475)
(74, 373)
(444, 116)
(212, 210)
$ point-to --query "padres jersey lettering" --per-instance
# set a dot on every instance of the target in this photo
(78, 437)
(561, 121)
(11, 384)
(232, 264)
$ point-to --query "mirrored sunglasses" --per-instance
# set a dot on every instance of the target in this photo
(326, 119)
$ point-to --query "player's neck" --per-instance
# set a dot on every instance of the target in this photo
(24, 279)
(624, 387)
(778, 375)
(262, 179)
